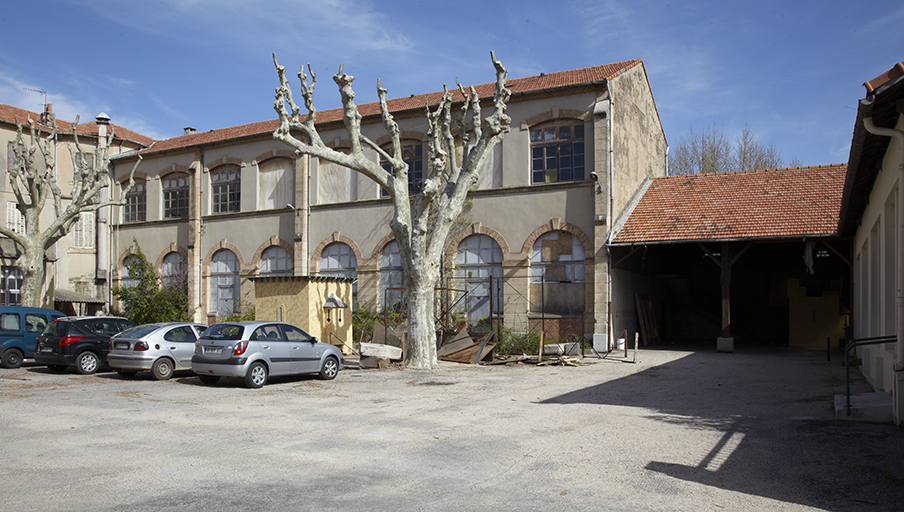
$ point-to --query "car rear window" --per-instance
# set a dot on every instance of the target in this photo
(139, 331)
(224, 332)
(61, 328)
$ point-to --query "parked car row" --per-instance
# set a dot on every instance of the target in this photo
(254, 351)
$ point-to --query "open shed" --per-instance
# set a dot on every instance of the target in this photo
(750, 257)
(310, 302)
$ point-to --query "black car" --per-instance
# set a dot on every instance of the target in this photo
(80, 341)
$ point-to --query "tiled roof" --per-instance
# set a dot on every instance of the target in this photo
(10, 114)
(772, 204)
(544, 81)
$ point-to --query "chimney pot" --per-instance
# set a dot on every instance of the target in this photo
(189, 130)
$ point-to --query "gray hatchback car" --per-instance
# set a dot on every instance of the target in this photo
(160, 348)
(257, 350)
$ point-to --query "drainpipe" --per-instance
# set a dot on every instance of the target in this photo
(898, 135)
(610, 330)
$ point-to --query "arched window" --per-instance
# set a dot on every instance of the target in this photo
(175, 196)
(557, 272)
(276, 183)
(125, 280)
(391, 277)
(174, 270)
(477, 261)
(226, 188)
(339, 260)
(224, 282)
(275, 261)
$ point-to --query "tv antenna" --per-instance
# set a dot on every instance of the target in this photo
(42, 91)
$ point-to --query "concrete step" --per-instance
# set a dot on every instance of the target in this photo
(866, 407)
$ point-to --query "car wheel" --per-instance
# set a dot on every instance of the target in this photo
(162, 369)
(126, 374)
(256, 376)
(12, 358)
(87, 363)
(56, 368)
(330, 369)
(209, 379)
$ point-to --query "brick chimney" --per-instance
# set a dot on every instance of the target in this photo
(48, 117)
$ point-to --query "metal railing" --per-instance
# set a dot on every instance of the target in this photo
(859, 342)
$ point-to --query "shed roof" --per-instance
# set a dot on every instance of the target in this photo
(797, 202)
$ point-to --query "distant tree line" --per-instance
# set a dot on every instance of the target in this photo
(710, 150)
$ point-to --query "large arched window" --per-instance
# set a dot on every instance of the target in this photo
(557, 272)
(125, 280)
(339, 260)
(478, 264)
(224, 282)
(275, 261)
(173, 272)
(276, 183)
(391, 277)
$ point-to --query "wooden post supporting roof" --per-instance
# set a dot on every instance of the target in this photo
(725, 264)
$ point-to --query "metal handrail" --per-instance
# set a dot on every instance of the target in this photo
(859, 342)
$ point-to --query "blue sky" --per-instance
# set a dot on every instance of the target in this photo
(791, 70)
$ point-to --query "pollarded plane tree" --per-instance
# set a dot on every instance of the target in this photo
(33, 180)
(422, 220)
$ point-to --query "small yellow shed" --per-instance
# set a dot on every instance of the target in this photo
(306, 301)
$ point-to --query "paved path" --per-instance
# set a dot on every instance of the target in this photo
(680, 430)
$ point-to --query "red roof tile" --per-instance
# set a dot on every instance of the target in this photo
(778, 203)
(11, 114)
(544, 81)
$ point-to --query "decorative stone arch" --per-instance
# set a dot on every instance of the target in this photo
(403, 136)
(158, 266)
(556, 224)
(378, 249)
(272, 241)
(476, 228)
(225, 160)
(273, 153)
(335, 237)
(554, 114)
(120, 263)
(222, 244)
(173, 169)
(139, 176)
(339, 144)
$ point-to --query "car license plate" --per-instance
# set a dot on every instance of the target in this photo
(121, 344)
(46, 349)
(213, 350)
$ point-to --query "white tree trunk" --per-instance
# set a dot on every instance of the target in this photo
(33, 184)
(421, 224)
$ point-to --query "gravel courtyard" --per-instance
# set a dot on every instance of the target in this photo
(686, 430)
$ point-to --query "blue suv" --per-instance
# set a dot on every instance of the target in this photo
(20, 327)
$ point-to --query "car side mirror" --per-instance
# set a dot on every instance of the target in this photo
(314, 340)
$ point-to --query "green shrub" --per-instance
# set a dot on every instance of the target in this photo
(364, 318)
(515, 343)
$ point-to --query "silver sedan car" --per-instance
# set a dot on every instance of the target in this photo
(256, 350)
(160, 348)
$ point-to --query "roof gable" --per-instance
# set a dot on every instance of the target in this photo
(765, 204)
